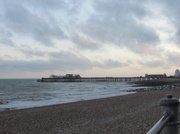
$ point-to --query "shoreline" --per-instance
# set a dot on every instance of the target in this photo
(139, 86)
(131, 113)
(15, 108)
(134, 113)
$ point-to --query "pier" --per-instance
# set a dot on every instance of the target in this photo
(99, 79)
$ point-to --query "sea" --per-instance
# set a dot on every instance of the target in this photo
(27, 93)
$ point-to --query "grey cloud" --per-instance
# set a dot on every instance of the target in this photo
(171, 11)
(61, 61)
(173, 58)
(109, 63)
(5, 37)
(154, 63)
(47, 4)
(5, 33)
(22, 21)
(118, 9)
(115, 22)
(21, 66)
(6, 41)
(30, 52)
(69, 61)
(84, 43)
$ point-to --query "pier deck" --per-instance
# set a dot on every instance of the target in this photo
(98, 79)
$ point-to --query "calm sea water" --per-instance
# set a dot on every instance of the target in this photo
(26, 93)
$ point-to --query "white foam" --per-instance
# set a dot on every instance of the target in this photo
(26, 94)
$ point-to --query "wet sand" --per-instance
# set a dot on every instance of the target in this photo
(128, 114)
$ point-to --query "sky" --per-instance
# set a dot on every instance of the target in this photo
(117, 38)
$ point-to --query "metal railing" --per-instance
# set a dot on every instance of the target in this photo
(168, 124)
(157, 128)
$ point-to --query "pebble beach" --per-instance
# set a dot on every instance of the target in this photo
(128, 114)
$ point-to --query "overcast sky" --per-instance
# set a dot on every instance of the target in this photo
(89, 37)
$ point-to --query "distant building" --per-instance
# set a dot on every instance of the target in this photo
(69, 76)
(155, 75)
(56, 76)
(177, 73)
(72, 76)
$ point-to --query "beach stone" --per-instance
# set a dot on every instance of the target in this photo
(128, 114)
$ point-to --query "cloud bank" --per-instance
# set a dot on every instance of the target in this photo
(82, 35)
